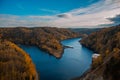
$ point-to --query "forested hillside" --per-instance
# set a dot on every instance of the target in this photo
(15, 64)
(105, 42)
(85, 30)
(45, 38)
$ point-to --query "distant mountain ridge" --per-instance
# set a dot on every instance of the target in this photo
(84, 30)
(105, 42)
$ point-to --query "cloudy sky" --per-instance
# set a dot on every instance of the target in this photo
(60, 13)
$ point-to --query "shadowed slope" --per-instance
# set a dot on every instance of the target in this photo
(107, 43)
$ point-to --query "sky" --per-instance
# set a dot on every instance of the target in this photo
(59, 13)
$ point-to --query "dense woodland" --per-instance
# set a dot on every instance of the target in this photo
(105, 42)
(15, 64)
(45, 38)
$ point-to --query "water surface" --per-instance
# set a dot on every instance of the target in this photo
(74, 62)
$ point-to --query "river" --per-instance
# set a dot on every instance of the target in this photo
(74, 62)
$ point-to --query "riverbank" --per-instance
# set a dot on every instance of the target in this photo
(106, 43)
(72, 63)
(46, 38)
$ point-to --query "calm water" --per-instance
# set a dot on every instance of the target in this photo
(74, 62)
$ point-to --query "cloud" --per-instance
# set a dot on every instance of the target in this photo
(92, 16)
(50, 11)
(100, 14)
(115, 21)
(65, 15)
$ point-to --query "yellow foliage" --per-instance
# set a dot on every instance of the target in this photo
(116, 54)
(107, 52)
(97, 61)
(15, 64)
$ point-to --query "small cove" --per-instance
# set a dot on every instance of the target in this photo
(74, 62)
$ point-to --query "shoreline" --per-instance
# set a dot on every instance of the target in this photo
(50, 53)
